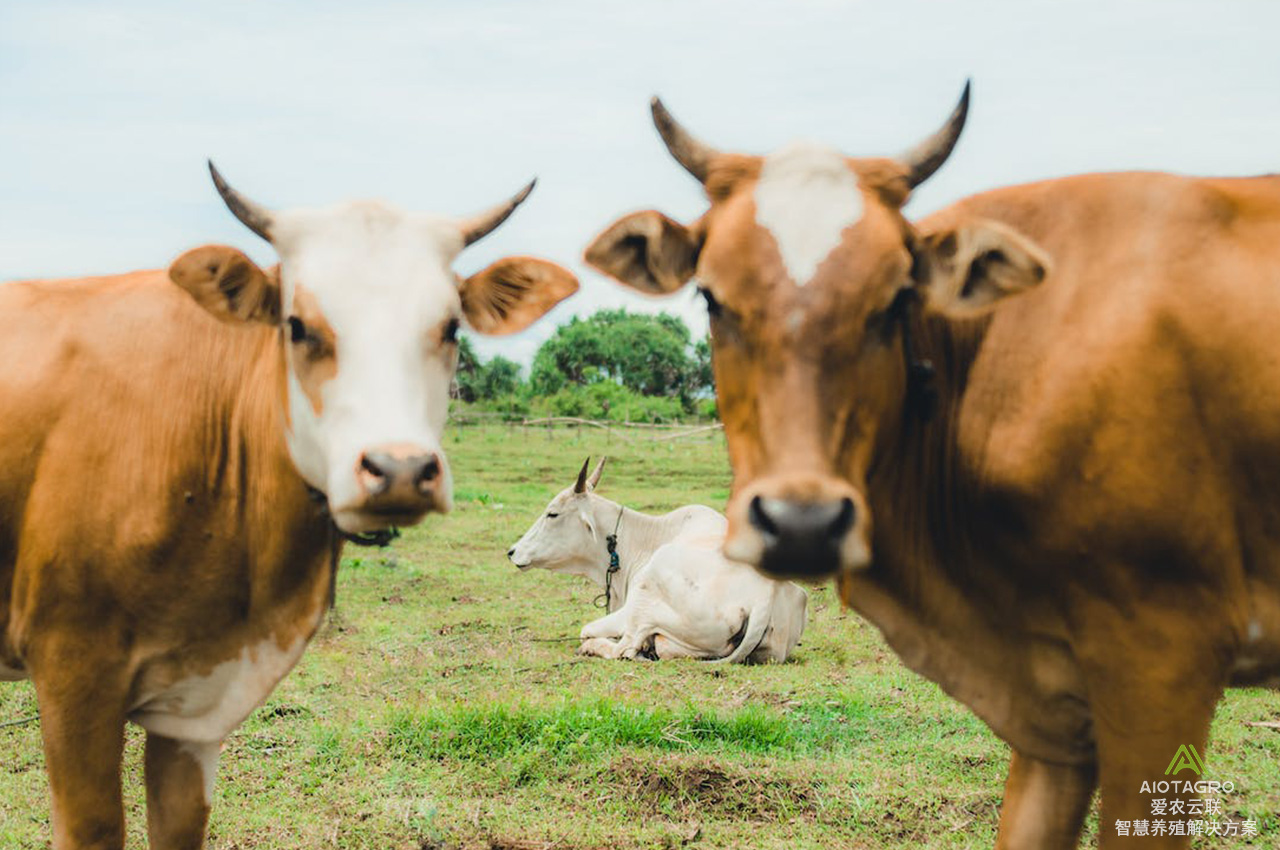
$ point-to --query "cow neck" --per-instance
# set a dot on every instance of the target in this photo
(639, 536)
(935, 591)
(921, 492)
(250, 461)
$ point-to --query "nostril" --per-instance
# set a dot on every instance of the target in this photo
(511, 553)
(757, 517)
(371, 466)
(428, 473)
(375, 471)
(843, 521)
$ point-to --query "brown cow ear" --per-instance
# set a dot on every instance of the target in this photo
(512, 293)
(972, 267)
(647, 251)
(228, 284)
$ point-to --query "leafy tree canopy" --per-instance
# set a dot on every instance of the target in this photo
(650, 355)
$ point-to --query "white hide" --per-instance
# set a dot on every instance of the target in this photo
(689, 601)
(675, 594)
(806, 197)
(205, 755)
(204, 709)
(382, 279)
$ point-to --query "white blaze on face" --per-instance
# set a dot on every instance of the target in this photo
(382, 280)
(806, 197)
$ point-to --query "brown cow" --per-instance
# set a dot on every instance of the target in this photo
(1082, 543)
(177, 463)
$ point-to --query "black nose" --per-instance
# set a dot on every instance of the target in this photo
(801, 538)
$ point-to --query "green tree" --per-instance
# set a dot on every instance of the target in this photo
(466, 376)
(476, 380)
(499, 377)
(650, 355)
(704, 379)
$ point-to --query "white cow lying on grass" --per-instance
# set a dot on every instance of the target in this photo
(671, 594)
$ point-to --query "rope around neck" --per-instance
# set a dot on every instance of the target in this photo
(611, 543)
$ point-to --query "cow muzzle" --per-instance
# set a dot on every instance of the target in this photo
(398, 484)
(799, 529)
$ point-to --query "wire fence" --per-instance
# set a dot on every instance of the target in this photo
(627, 432)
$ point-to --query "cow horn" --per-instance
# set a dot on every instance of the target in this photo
(928, 156)
(253, 216)
(594, 480)
(481, 225)
(581, 485)
(695, 156)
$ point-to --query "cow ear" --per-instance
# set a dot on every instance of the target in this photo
(512, 293)
(647, 251)
(228, 284)
(967, 270)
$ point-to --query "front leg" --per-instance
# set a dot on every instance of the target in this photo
(1154, 678)
(600, 648)
(82, 713)
(179, 778)
(1044, 804)
(609, 626)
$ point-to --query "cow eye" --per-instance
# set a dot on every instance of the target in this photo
(552, 516)
(297, 329)
(451, 332)
(713, 306)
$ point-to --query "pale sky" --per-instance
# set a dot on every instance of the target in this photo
(108, 110)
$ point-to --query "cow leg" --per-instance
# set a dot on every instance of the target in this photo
(626, 647)
(1044, 804)
(82, 725)
(668, 648)
(179, 791)
(609, 626)
(600, 648)
(1153, 685)
(1136, 743)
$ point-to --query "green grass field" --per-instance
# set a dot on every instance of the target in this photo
(442, 706)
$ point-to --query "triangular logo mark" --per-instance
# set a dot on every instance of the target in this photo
(1185, 757)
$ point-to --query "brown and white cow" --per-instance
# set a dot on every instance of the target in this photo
(174, 460)
(1082, 543)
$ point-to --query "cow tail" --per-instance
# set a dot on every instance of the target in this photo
(752, 635)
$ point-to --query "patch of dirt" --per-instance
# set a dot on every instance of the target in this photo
(912, 820)
(286, 710)
(508, 844)
(699, 788)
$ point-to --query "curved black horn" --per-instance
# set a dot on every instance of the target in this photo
(481, 225)
(928, 156)
(695, 156)
(253, 216)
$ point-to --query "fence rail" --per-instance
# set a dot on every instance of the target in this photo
(626, 431)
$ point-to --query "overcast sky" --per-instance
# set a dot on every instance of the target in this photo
(108, 110)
